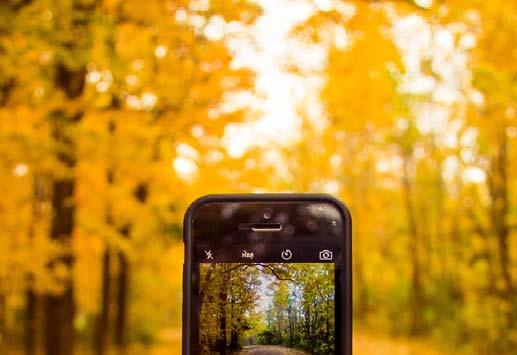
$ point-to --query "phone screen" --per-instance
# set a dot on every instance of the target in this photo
(268, 307)
(274, 289)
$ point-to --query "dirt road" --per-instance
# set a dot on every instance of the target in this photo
(269, 350)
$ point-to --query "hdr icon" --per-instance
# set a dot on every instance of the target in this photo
(247, 255)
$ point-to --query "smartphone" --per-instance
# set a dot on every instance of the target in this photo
(267, 274)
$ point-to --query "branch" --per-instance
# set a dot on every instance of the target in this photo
(275, 272)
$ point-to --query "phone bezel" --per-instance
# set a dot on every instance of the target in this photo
(346, 287)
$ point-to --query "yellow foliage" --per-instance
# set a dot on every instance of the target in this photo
(124, 99)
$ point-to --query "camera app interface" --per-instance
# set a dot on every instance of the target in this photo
(268, 308)
(269, 283)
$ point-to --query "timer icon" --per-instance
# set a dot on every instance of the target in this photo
(286, 254)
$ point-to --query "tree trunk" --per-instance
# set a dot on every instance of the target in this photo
(60, 308)
(102, 331)
(32, 301)
(290, 322)
(122, 295)
(3, 311)
(141, 194)
(234, 340)
(31, 326)
(223, 296)
(499, 209)
(307, 323)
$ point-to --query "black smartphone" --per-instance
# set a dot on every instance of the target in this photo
(267, 274)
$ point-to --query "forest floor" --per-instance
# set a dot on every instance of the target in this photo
(268, 350)
(365, 343)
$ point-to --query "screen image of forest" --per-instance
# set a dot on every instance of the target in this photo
(267, 308)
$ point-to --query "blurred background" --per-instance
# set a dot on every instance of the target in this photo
(114, 115)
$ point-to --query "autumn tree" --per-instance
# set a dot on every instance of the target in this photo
(115, 92)
(426, 152)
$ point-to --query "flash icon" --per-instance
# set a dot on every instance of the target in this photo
(209, 255)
